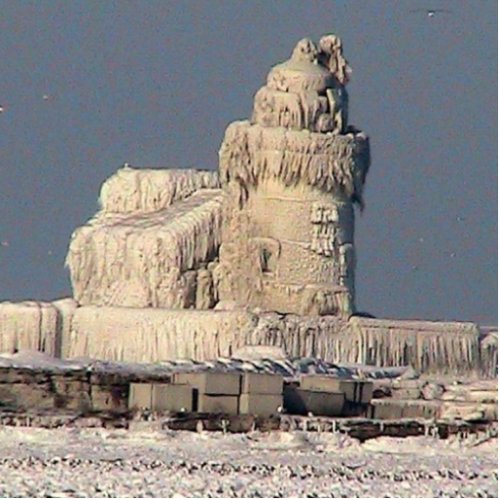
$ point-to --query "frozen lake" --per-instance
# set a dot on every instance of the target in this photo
(150, 463)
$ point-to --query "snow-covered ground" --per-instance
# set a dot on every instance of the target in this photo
(149, 463)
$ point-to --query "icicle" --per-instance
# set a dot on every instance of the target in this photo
(339, 169)
(38, 326)
(147, 190)
(146, 260)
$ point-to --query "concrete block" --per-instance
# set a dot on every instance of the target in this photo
(357, 391)
(469, 411)
(385, 410)
(211, 383)
(71, 394)
(139, 397)
(217, 404)
(408, 383)
(482, 396)
(168, 397)
(365, 392)
(260, 404)
(261, 383)
(393, 409)
(421, 409)
(109, 398)
(301, 402)
(470, 396)
(27, 396)
(14, 375)
(414, 393)
(351, 409)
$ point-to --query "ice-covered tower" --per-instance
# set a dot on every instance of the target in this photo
(291, 176)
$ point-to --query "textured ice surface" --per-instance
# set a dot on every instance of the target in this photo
(101, 463)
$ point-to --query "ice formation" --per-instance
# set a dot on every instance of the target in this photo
(39, 326)
(148, 247)
(131, 190)
(291, 176)
(155, 334)
(196, 264)
(140, 335)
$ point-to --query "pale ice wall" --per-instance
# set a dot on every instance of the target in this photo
(289, 249)
(65, 311)
(429, 346)
(291, 175)
(144, 335)
(132, 190)
(489, 354)
(39, 326)
(334, 163)
(152, 243)
(126, 334)
(154, 334)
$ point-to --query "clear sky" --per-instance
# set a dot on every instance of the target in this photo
(155, 83)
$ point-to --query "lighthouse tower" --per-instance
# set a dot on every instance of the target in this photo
(291, 176)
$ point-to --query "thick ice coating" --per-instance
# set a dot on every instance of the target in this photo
(153, 247)
(274, 229)
(291, 176)
(308, 90)
(197, 264)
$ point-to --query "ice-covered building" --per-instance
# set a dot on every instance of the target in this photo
(185, 263)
